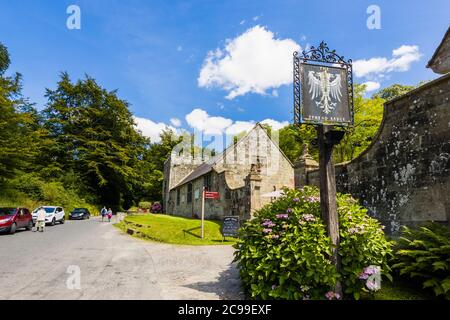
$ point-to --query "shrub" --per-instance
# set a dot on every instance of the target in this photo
(284, 252)
(30, 191)
(424, 255)
(156, 207)
(145, 205)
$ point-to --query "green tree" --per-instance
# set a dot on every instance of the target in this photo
(393, 91)
(368, 116)
(4, 59)
(94, 135)
(17, 120)
(293, 137)
(152, 166)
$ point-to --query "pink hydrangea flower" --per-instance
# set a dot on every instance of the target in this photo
(371, 270)
(308, 217)
(313, 199)
(363, 276)
(268, 223)
(330, 295)
(372, 285)
(370, 275)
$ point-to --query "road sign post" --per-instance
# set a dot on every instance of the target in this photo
(323, 97)
(203, 213)
(207, 195)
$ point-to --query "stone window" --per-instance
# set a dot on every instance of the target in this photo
(197, 194)
(178, 196)
(189, 193)
(227, 194)
(207, 182)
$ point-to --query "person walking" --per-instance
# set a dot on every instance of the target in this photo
(40, 220)
(103, 212)
(109, 214)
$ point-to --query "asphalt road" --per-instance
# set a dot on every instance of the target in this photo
(93, 260)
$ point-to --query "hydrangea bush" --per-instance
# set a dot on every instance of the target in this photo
(156, 208)
(284, 252)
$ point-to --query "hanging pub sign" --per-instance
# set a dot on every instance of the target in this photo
(323, 88)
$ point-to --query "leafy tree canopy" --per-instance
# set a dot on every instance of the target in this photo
(94, 135)
(4, 59)
(393, 91)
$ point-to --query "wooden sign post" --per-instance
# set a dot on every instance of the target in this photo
(203, 213)
(327, 138)
(323, 97)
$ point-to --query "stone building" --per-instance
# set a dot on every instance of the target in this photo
(248, 168)
(440, 62)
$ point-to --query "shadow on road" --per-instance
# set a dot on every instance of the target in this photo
(6, 233)
(227, 286)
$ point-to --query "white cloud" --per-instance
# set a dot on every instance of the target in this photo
(151, 129)
(199, 119)
(253, 62)
(372, 86)
(401, 60)
(256, 18)
(175, 122)
(239, 126)
(245, 126)
(242, 22)
(276, 125)
(179, 48)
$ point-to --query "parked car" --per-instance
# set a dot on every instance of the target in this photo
(52, 215)
(12, 219)
(79, 214)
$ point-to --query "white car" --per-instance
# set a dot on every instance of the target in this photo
(52, 215)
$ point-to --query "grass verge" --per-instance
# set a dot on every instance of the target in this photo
(398, 290)
(174, 230)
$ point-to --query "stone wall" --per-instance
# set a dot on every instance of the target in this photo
(403, 177)
(175, 169)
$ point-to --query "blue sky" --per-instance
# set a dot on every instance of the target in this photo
(213, 64)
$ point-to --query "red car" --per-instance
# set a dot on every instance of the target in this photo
(12, 219)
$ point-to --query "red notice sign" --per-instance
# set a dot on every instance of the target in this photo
(212, 195)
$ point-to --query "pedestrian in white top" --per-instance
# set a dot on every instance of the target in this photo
(40, 221)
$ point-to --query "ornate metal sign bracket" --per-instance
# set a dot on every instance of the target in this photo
(321, 56)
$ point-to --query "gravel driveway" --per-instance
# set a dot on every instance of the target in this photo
(93, 260)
